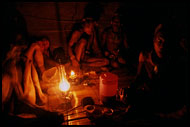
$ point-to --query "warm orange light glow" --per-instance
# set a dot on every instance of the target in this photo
(64, 85)
(72, 73)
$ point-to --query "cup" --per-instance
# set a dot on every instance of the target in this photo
(108, 88)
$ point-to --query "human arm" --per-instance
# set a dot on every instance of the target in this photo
(34, 53)
(36, 83)
(39, 59)
(74, 38)
(49, 62)
(30, 52)
(141, 75)
(96, 47)
(103, 43)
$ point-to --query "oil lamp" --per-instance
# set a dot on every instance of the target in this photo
(64, 87)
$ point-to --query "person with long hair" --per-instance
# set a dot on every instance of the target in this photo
(161, 81)
(83, 46)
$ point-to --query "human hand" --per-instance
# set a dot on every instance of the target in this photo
(106, 53)
(121, 60)
(116, 52)
(121, 94)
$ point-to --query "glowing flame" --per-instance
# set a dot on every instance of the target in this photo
(64, 85)
(72, 73)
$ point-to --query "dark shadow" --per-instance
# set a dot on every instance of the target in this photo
(15, 27)
(15, 22)
(76, 26)
(93, 10)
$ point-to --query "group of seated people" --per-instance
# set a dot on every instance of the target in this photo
(161, 75)
(85, 48)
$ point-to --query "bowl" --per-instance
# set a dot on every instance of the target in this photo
(89, 108)
(93, 112)
(108, 111)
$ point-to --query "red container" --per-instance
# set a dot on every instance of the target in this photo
(108, 86)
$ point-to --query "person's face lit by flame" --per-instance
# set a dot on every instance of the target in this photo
(116, 24)
(159, 42)
(44, 45)
(88, 28)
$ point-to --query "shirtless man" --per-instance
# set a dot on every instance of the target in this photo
(83, 47)
(114, 42)
(39, 53)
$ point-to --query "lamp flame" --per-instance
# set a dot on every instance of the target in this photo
(72, 73)
(64, 85)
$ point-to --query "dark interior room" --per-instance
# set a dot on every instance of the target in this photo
(95, 63)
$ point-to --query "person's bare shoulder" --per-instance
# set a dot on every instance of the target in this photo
(34, 46)
(77, 34)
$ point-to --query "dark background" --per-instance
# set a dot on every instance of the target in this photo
(56, 19)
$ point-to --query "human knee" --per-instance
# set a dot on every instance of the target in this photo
(114, 64)
(106, 61)
(121, 60)
(80, 47)
(83, 43)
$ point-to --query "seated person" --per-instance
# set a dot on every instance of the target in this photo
(39, 53)
(20, 75)
(161, 83)
(114, 43)
(48, 57)
(83, 46)
(21, 91)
